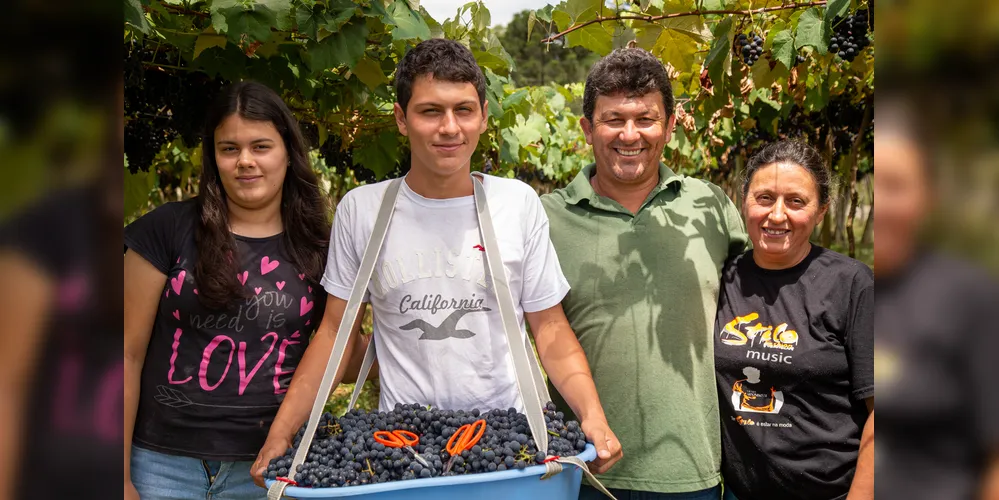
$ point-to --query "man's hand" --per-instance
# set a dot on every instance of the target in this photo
(272, 449)
(603, 439)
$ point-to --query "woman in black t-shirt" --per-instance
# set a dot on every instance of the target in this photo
(794, 344)
(221, 297)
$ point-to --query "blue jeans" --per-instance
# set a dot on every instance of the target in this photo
(587, 492)
(158, 476)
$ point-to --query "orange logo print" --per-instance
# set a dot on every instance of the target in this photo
(735, 334)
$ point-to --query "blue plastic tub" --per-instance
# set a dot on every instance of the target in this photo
(507, 485)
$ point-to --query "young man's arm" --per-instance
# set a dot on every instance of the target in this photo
(863, 479)
(305, 383)
(566, 365)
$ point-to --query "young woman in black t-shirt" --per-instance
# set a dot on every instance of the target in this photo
(221, 297)
(794, 344)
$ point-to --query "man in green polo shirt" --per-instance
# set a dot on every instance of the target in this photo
(643, 248)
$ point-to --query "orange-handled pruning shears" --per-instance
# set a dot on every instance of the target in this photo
(464, 439)
(401, 439)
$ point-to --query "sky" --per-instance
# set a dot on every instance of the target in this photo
(501, 11)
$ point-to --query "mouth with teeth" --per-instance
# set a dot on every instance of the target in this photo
(629, 151)
(776, 233)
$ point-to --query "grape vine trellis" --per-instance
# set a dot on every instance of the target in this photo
(333, 60)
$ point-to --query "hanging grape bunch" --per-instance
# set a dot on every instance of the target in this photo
(749, 46)
(850, 35)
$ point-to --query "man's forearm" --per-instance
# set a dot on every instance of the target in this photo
(567, 368)
(863, 479)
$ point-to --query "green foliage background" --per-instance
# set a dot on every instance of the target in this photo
(333, 62)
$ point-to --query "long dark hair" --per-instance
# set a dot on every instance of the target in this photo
(304, 209)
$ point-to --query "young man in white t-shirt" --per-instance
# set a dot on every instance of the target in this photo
(437, 326)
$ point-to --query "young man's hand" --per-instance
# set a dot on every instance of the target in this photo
(273, 448)
(603, 439)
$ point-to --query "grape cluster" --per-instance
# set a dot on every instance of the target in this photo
(345, 453)
(850, 35)
(161, 104)
(750, 46)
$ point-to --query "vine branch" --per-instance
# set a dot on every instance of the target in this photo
(652, 19)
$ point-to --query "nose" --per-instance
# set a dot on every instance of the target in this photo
(777, 215)
(245, 159)
(629, 133)
(449, 124)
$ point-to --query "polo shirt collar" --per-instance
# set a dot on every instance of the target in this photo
(580, 188)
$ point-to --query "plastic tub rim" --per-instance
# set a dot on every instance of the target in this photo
(588, 455)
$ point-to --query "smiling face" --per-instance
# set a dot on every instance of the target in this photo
(443, 121)
(782, 208)
(628, 135)
(252, 161)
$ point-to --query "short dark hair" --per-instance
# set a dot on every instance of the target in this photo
(795, 152)
(443, 59)
(632, 71)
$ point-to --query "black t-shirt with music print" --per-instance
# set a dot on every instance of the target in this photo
(795, 361)
(213, 380)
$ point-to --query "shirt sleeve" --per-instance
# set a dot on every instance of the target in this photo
(544, 284)
(860, 337)
(343, 261)
(154, 236)
(738, 239)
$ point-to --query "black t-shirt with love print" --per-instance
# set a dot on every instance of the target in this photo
(213, 380)
(794, 356)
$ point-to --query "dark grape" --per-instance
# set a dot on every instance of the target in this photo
(749, 46)
(162, 104)
(344, 452)
(849, 36)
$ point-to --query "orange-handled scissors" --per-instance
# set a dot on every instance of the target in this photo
(464, 439)
(401, 439)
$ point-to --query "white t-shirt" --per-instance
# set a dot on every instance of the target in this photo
(437, 329)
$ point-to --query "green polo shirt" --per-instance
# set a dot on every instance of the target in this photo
(643, 301)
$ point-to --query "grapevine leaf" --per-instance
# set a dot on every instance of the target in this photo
(408, 24)
(138, 186)
(719, 57)
(378, 155)
(343, 47)
(205, 41)
(676, 48)
(310, 20)
(595, 37)
(370, 72)
(811, 31)
(834, 9)
(135, 16)
(783, 48)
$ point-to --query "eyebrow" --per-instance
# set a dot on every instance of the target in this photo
(255, 141)
(652, 113)
(467, 102)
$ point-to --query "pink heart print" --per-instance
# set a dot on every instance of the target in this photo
(195, 291)
(242, 277)
(267, 265)
(295, 335)
(280, 285)
(305, 306)
(301, 276)
(176, 314)
(257, 290)
(178, 282)
(310, 289)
